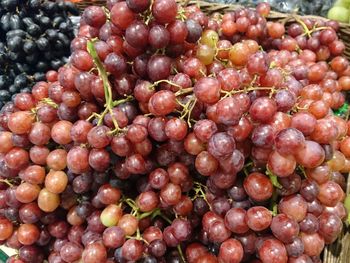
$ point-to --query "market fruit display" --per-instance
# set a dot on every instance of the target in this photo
(34, 37)
(174, 136)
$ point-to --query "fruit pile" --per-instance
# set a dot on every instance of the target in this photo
(173, 136)
(34, 37)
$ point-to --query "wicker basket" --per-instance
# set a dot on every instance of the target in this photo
(338, 252)
(83, 4)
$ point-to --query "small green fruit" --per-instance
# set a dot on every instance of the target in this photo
(339, 13)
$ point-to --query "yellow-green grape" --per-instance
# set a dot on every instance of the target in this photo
(110, 215)
(343, 3)
(347, 202)
(339, 13)
(205, 54)
(337, 162)
(347, 206)
(209, 38)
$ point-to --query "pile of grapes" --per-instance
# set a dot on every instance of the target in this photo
(34, 37)
(173, 136)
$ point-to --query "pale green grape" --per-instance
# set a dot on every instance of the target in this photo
(347, 206)
(343, 3)
(339, 13)
(347, 203)
(110, 215)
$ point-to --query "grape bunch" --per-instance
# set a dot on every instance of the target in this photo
(174, 136)
(34, 37)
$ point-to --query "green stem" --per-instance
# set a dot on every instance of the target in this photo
(273, 203)
(93, 115)
(166, 81)
(106, 85)
(187, 109)
(108, 15)
(319, 28)
(147, 214)
(246, 166)
(198, 188)
(118, 102)
(132, 204)
(101, 71)
(273, 179)
(138, 234)
(181, 254)
(302, 170)
(301, 22)
(247, 89)
(183, 91)
(6, 182)
(50, 102)
(157, 212)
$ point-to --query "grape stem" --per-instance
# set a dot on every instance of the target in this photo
(93, 115)
(110, 104)
(49, 102)
(179, 249)
(132, 204)
(202, 72)
(137, 237)
(319, 28)
(273, 203)
(184, 91)
(108, 14)
(121, 101)
(245, 90)
(307, 31)
(144, 215)
(198, 188)
(158, 212)
(273, 178)
(103, 75)
(301, 22)
(187, 109)
(6, 182)
(136, 211)
(246, 166)
(166, 81)
(138, 234)
(185, 3)
(181, 14)
(297, 108)
(147, 16)
(302, 170)
(46, 101)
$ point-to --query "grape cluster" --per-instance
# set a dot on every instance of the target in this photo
(34, 37)
(174, 136)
